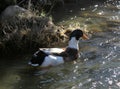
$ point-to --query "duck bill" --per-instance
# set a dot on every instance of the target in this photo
(85, 37)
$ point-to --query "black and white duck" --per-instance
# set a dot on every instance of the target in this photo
(47, 57)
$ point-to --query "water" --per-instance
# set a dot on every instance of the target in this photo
(98, 66)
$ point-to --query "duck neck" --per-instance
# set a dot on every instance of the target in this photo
(73, 43)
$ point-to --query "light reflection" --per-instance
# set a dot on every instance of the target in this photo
(82, 9)
(118, 6)
(95, 6)
(94, 84)
(94, 9)
(110, 82)
(100, 13)
(73, 87)
(114, 18)
(118, 84)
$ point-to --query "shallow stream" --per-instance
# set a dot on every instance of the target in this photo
(98, 66)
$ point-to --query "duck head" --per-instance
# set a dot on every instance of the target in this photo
(78, 34)
(74, 38)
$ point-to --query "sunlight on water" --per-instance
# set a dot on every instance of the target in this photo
(98, 66)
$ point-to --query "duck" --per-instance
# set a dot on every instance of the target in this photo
(49, 57)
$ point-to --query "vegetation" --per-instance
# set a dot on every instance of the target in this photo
(25, 34)
(32, 29)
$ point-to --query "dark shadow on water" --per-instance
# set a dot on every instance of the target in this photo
(73, 9)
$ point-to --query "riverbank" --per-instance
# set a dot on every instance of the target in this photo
(28, 31)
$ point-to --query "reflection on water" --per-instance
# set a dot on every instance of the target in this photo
(97, 68)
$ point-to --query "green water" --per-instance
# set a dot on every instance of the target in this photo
(98, 66)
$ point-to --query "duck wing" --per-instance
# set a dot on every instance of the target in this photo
(52, 50)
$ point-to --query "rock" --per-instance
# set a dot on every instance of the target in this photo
(12, 11)
(6, 3)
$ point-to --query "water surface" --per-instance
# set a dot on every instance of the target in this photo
(98, 66)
